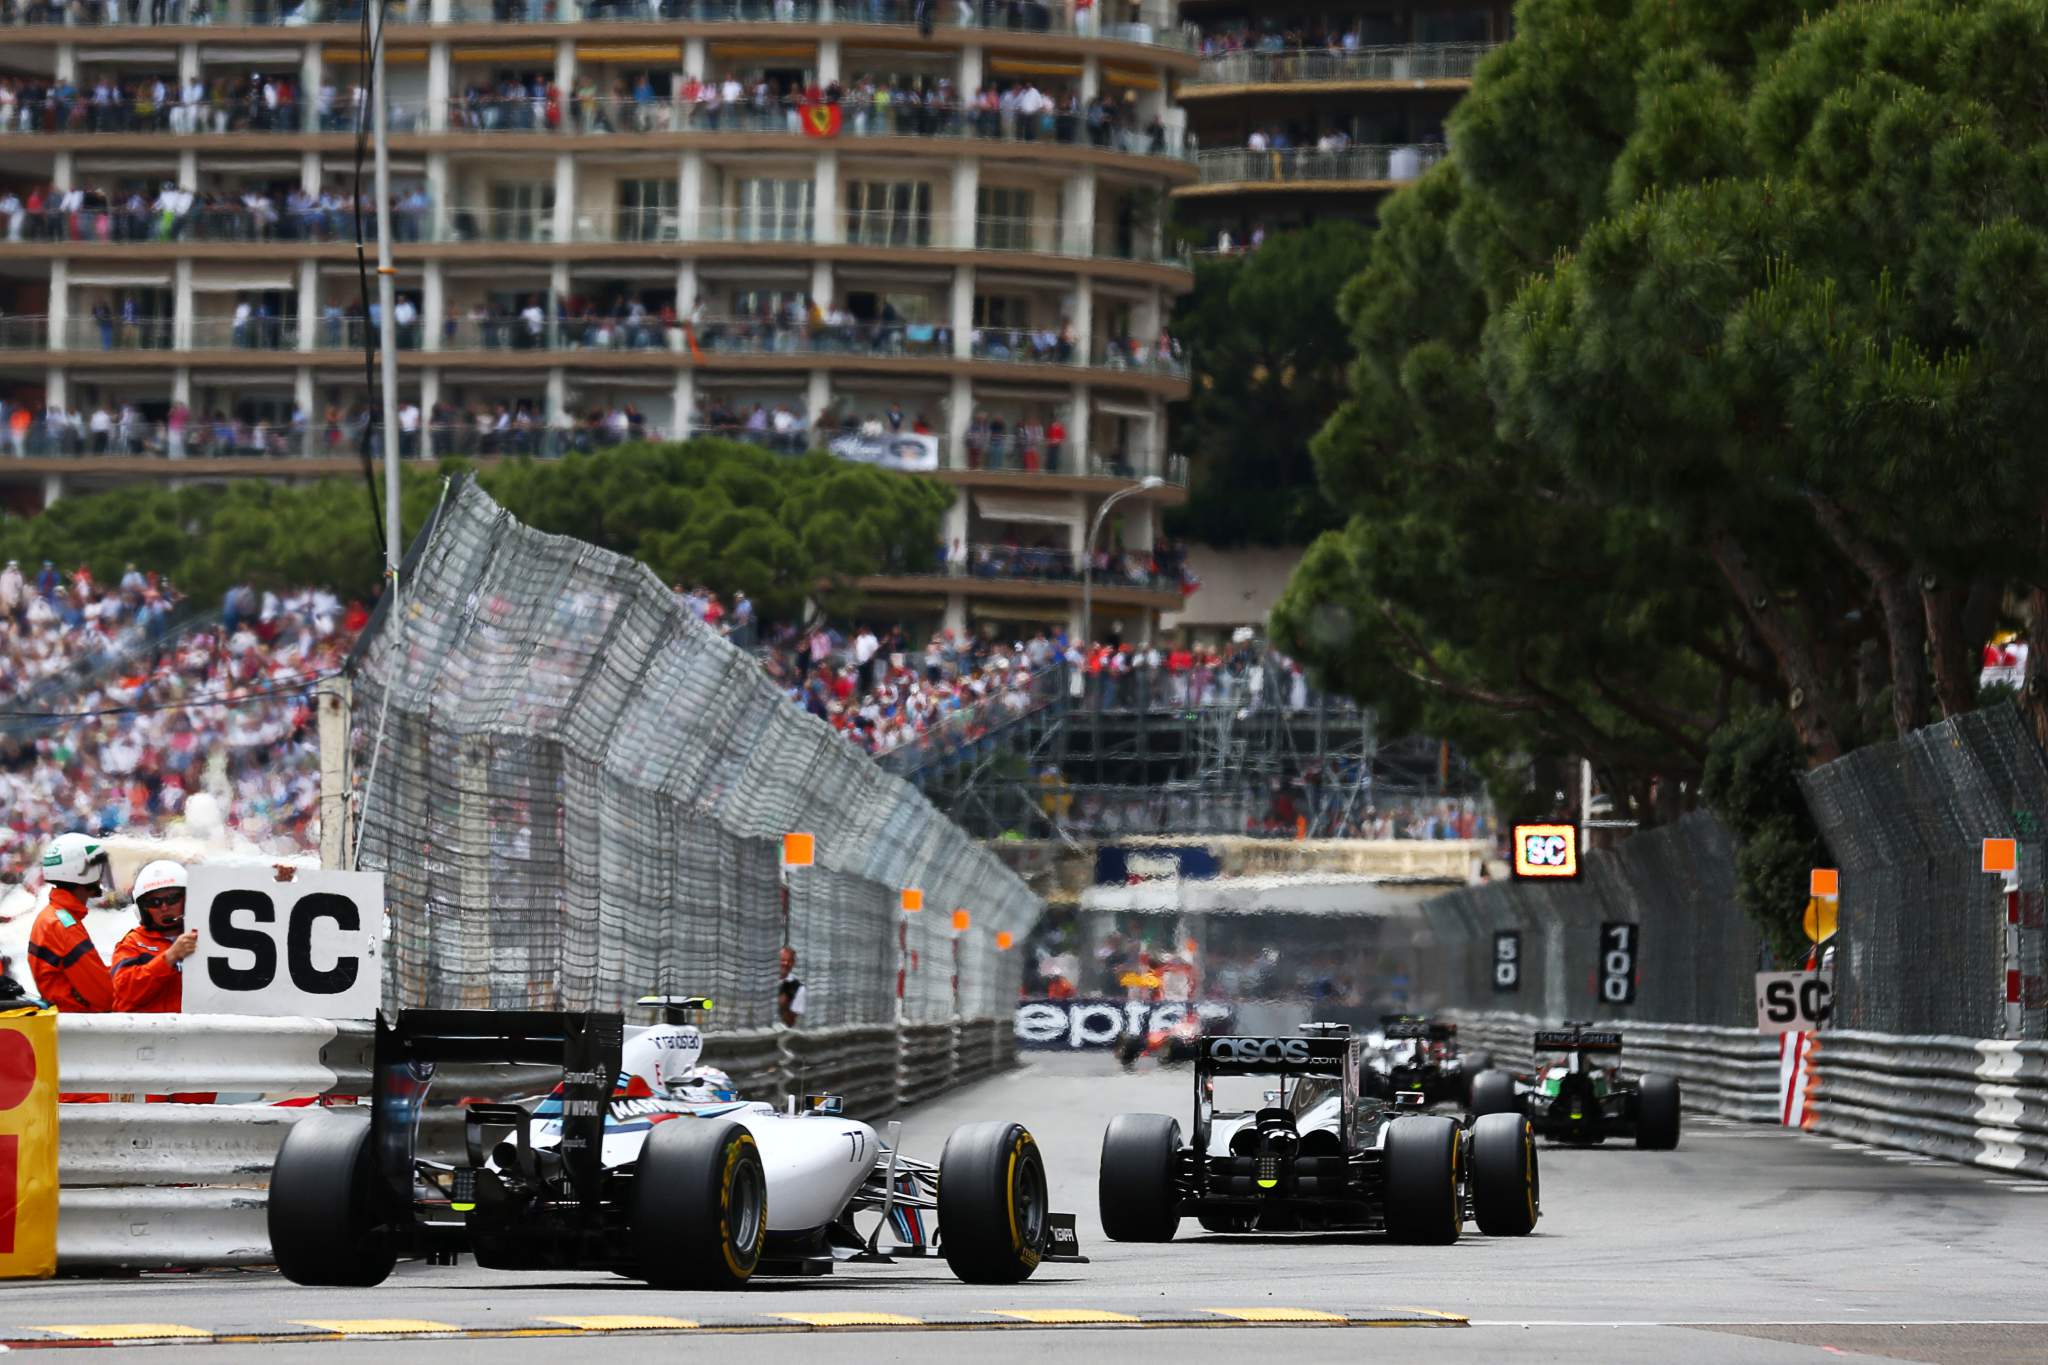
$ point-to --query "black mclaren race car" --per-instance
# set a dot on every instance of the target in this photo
(1577, 1093)
(1316, 1155)
(1421, 1055)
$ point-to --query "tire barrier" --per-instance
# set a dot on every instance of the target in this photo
(1975, 1100)
(1726, 1071)
(166, 1185)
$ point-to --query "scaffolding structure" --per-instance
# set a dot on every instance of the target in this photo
(1147, 762)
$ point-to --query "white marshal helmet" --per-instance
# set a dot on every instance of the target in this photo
(161, 875)
(76, 860)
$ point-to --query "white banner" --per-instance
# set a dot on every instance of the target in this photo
(891, 450)
(310, 946)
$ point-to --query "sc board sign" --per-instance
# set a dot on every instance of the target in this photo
(1793, 1002)
(1507, 961)
(1547, 851)
(310, 946)
(1619, 943)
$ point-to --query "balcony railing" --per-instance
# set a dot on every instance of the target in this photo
(121, 224)
(80, 114)
(483, 434)
(1418, 62)
(1039, 564)
(516, 332)
(1308, 164)
(855, 119)
(1155, 27)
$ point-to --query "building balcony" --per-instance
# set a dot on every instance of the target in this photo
(945, 580)
(1350, 170)
(951, 22)
(223, 448)
(510, 341)
(230, 230)
(515, 124)
(1421, 66)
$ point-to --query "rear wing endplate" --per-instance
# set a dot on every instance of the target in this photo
(408, 1051)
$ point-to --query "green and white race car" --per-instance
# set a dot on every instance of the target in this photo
(1577, 1094)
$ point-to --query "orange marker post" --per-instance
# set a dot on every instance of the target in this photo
(799, 850)
(912, 899)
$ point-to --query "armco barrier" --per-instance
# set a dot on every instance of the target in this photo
(182, 1185)
(1725, 1071)
(162, 1053)
(1976, 1100)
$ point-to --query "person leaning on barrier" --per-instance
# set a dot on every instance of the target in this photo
(67, 968)
(149, 964)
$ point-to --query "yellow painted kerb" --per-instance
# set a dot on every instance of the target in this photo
(1053, 1316)
(364, 1327)
(123, 1331)
(850, 1319)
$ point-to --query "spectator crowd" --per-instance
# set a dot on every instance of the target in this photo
(146, 717)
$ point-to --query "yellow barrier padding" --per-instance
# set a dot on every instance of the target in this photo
(28, 1144)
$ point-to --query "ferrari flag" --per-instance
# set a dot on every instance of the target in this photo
(821, 120)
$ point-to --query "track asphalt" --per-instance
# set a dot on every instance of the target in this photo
(1747, 1244)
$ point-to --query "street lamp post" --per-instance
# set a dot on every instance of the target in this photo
(1144, 485)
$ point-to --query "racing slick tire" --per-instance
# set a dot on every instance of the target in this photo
(324, 1202)
(1504, 1186)
(1493, 1092)
(993, 1203)
(699, 1211)
(1425, 1187)
(1657, 1113)
(1135, 1191)
(1476, 1064)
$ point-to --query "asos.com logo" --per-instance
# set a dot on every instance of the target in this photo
(1259, 1049)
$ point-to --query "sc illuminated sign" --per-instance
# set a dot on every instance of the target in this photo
(1546, 851)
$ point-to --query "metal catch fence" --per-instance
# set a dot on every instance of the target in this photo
(1923, 929)
(1694, 955)
(577, 794)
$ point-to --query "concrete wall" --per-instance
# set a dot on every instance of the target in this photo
(1239, 587)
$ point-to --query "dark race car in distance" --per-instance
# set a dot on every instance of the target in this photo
(1316, 1155)
(1421, 1055)
(1578, 1094)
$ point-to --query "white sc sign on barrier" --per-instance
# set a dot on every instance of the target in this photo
(1793, 1002)
(309, 946)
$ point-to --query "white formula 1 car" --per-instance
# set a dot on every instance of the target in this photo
(641, 1162)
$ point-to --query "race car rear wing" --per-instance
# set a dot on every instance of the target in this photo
(585, 1047)
(1577, 1040)
(1239, 1056)
(1394, 1026)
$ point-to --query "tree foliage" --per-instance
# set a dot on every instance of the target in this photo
(728, 516)
(783, 530)
(1269, 352)
(1704, 375)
